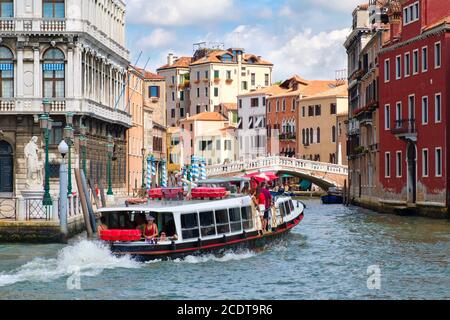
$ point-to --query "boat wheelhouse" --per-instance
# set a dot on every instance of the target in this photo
(196, 226)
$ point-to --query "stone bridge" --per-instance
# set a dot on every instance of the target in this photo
(324, 175)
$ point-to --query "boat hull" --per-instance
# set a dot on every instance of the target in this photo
(332, 199)
(215, 246)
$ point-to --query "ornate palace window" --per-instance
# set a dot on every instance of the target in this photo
(6, 73)
(53, 9)
(54, 77)
(6, 8)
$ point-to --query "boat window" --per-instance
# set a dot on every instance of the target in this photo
(247, 221)
(189, 225)
(119, 220)
(282, 210)
(235, 219)
(207, 223)
(222, 222)
(287, 208)
(291, 205)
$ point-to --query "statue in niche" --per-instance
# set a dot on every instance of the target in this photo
(34, 166)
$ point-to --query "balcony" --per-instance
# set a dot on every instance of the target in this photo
(365, 118)
(405, 129)
(288, 136)
(229, 81)
(216, 80)
(53, 25)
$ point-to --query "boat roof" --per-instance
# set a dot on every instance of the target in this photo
(225, 180)
(183, 206)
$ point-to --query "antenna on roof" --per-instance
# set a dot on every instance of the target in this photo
(340, 76)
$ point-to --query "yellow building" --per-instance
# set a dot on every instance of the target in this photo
(174, 150)
(319, 137)
(135, 135)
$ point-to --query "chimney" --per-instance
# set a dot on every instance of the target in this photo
(395, 21)
(170, 59)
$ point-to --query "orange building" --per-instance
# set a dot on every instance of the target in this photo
(282, 115)
(135, 135)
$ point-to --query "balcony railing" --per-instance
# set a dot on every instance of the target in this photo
(404, 127)
(53, 25)
(288, 136)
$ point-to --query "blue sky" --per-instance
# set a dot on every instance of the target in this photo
(299, 36)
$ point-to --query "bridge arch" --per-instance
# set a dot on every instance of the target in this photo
(321, 182)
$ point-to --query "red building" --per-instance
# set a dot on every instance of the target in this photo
(413, 89)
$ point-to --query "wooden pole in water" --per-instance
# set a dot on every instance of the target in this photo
(84, 206)
(345, 192)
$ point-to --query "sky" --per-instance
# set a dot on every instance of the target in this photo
(303, 37)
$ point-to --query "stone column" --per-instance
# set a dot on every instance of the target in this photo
(77, 65)
(19, 74)
(36, 72)
(70, 72)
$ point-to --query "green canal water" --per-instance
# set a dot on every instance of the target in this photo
(326, 257)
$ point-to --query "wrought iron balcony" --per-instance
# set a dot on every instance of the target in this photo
(405, 128)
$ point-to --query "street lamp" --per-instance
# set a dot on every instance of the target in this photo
(143, 168)
(110, 147)
(69, 136)
(63, 148)
(83, 144)
(46, 125)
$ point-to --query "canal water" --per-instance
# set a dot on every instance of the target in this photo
(330, 255)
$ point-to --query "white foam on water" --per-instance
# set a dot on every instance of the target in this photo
(228, 256)
(90, 258)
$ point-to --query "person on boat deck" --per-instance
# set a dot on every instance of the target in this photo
(262, 206)
(151, 229)
(169, 230)
(255, 210)
(267, 205)
(102, 226)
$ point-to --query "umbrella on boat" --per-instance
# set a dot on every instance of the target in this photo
(263, 176)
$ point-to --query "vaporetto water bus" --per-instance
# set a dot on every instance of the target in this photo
(195, 227)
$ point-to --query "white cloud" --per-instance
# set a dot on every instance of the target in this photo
(313, 56)
(340, 5)
(157, 39)
(178, 12)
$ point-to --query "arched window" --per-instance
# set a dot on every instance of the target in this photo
(54, 78)
(53, 9)
(311, 135)
(6, 73)
(318, 134)
(303, 136)
(6, 8)
(307, 136)
(333, 134)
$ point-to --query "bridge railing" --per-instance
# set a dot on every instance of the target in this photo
(274, 161)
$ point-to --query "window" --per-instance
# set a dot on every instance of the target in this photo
(387, 165)
(437, 108)
(173, 79)
(254, 102)
(53, 9)
(437, 55)
(253, 79)
(216, 74)
(386, 70)
(218, 144)
(181, 95)
(415, 61)
(240, 103)
(189, 226)
(424, 162)
(333, 108)
(247, 220)
(269, 107)
(411, 13)
(228, 75)
(244, 85)
(206, 91)
(266, 80)
(197, 109)
(318, 134)
(198, 92)
(172, 113)
(227, 145)
(398, 164)
(264, 101)
(398, 115)
(6, 8)
(53, 71)
(438, 168)
(216, 92)
(333, 134)
(284, 105)
(173, 96)
(318, 110)
(207, 225)
(56, 134)
(278, 105)
(398, 67)
(411, 107)
(235, 219)
(407, 66)
(303, 111)
(206, 74)
(387, 117)
(6, 73)
(424, 110)
(182, 112)
(198, 75)
(424, 59)
(153, 91)
(222, 221)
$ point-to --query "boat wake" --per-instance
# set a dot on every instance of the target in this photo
(87, 258)
(227, 256)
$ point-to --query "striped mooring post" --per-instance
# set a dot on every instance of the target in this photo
(164, 174)
(194, 166)
(203, 169)
(149, 173)
(184, 175)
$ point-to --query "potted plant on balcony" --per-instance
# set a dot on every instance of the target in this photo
(229, 81)
(217, 80)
